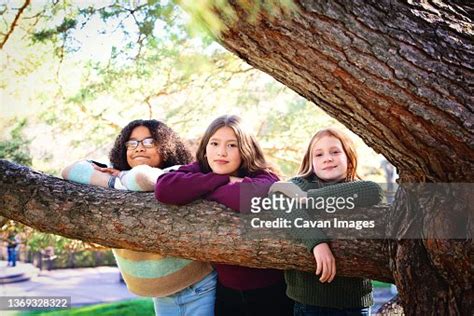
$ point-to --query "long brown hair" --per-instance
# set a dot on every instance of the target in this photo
(252, 156)
(306, 168)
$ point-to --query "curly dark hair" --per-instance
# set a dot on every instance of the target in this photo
(170, 146)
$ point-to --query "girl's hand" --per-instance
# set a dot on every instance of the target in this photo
(111, 171)
(289, 189)
(235, 179)
(325, 262)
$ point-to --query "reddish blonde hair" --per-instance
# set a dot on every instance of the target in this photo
(306, 167)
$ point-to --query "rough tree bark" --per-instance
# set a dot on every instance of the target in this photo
(203, 230)
(399, 74)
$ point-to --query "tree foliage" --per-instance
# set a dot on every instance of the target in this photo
(16, 149)
(92, 67)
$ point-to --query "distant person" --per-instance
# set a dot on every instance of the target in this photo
(13, 242)
(144, 150)
(48, 256)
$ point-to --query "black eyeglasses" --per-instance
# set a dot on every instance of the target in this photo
(147, 143)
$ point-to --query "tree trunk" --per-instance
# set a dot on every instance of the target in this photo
(399, 74)
(203, 231)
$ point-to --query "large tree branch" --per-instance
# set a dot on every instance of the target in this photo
(396, 73)
(202, 230)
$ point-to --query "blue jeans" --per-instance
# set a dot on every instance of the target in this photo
(197, 299)
(12, 256)
(311, 310)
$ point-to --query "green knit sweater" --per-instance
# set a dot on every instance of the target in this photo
(342, 292)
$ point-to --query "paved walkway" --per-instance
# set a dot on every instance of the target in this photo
(22, 271)
(84, 285)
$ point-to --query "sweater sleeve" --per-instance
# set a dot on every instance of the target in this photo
(310, 237)
(365, 193)
(83, 172)
(140, 178)
(187, 184)
(238, 196)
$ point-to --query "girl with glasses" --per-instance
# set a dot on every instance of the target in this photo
(229, 159)
(143, 151)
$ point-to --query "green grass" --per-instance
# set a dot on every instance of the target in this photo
(125, 308)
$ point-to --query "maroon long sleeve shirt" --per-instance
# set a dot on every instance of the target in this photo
(189, 183)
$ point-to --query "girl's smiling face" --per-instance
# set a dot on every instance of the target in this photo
(143, 154)
(222, 152)
(329, 159)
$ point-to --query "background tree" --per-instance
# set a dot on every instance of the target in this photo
(16, 148)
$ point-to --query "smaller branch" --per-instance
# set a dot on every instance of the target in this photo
(13, 25)
(150, 107)
(140, 46)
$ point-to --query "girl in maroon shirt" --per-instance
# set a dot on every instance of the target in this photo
(229, 158)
